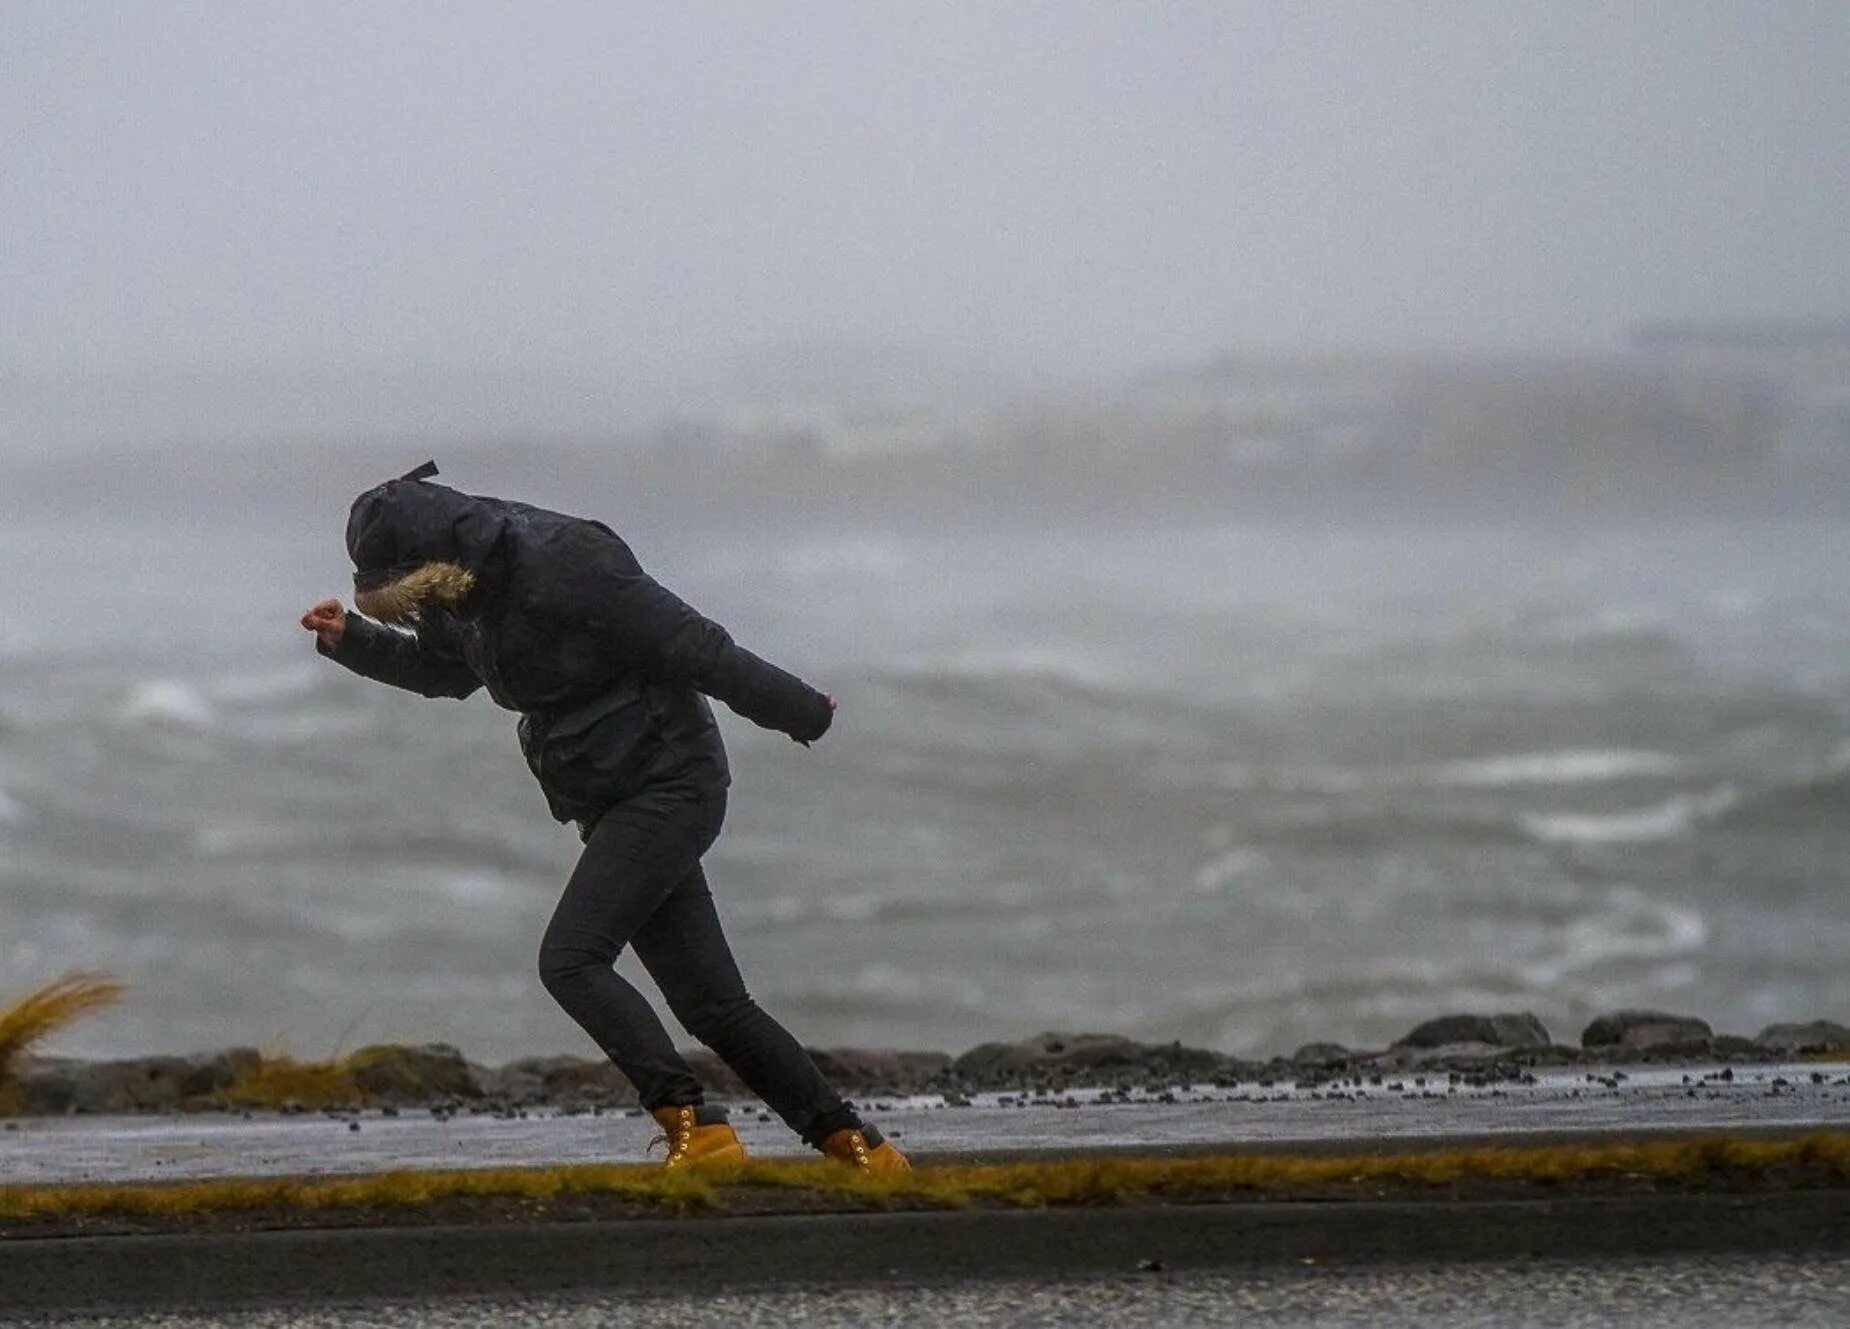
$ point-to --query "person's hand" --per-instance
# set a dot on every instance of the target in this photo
(830, 698)
(328, 621)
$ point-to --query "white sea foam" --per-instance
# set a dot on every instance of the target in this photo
(1504, 771)
(1575, 766)
(167, 702)
(1631, 926)
(1022, 662)
(480, 887)
(251, 687)
(1226, 867)
(1668, 820)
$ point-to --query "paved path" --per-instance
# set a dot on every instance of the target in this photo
(794, 1257)
(1646, 1100)
(1673, 1293)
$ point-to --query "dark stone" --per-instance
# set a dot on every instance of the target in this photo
(715, 1074)
(1321, 1056)
(213, 1072)
(565, 1081)
(1647, 1031)
(994, 1061)
(1508, 1030)
(1068, 1060)
(1446, 1055)
(141, 1084)
(1815, 1036)
(863, 1070)
(396, 1074)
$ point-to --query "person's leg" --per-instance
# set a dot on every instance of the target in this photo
(685, 952)
(637, 854)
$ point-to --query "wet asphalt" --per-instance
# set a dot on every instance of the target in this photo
(1406, 1108)
(1680, 1292)
(1774, 1264)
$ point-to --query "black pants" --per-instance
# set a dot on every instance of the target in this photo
(639, 884)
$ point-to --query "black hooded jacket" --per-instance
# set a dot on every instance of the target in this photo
(605, 666)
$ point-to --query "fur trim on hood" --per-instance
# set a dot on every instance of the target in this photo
(399, 599)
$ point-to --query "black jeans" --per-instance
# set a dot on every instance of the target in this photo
(639, 884)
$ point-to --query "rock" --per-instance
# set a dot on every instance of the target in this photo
(999, 1061)
(1647, 1031)
(1321, 1056)
(859, 1070)
(1509, 1030)
(407, 1075)
(213, 1072)
(1071, 1059)
(1816, 1036)
(715, 1074)
(1449, 1054)
(564, 1081)
(141, 1084)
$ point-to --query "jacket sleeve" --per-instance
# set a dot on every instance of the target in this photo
(659, 633)
(418, 662)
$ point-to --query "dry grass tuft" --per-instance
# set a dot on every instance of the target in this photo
(278, 1081)
(58, 1004)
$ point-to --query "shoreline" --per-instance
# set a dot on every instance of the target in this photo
(1478, 1050)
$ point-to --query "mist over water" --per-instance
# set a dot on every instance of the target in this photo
(1244, 782)
(1317, 516)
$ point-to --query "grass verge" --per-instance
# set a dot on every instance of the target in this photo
(1817, 1160)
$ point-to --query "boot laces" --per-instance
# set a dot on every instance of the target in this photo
(857, 1149)
(676, 1137)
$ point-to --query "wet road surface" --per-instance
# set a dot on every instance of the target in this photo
(1680, 1292)
(1400, 1110)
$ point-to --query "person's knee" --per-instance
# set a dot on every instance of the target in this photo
(564, 967)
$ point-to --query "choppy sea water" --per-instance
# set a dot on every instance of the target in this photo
(1236, 783)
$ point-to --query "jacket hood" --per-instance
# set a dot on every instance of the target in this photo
(420, 540)
(400, 598)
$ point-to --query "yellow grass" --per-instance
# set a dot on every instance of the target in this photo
(60, 1003)
(1823, 1157)
(277, 1080)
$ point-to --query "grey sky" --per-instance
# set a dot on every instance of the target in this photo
(640, 194)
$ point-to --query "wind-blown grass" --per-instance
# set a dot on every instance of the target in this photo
(58, 1004)
(278, 1080)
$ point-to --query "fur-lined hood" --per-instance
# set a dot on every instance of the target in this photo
(398, 600)
(415, 543)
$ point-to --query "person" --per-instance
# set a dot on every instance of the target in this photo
(611, 673)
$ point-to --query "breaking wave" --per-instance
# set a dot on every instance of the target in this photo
(1669, 820)
(167, 702)
(1555, 768)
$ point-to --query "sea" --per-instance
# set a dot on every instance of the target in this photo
(1246, 781)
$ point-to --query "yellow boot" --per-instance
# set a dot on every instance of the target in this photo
(693, 1141)
(865, 1149)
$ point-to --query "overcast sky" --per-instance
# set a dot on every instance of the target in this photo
(637, 196)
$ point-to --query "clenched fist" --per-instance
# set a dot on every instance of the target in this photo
(328, 621)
